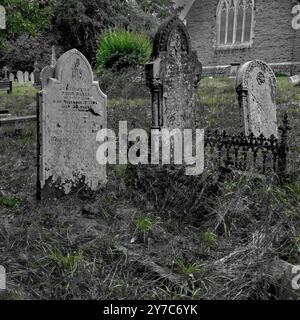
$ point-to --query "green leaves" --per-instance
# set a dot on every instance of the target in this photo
(24, 17)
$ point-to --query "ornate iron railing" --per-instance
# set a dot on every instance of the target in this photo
(250, 153)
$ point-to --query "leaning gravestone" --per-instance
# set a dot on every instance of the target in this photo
(256, 88)
(173, 76)
(11, 77)
(72, 109)
(20, 77)
(26, 76)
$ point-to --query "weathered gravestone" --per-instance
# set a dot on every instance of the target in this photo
(5, 70)
(47, 71)
(173, 76)
(26, 76)
(32, 78)
(72, 109)
(37, 75)
(11, 77)
(20, 77)
(295, 80)
(256, 88)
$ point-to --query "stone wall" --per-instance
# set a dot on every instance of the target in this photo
(275, 41)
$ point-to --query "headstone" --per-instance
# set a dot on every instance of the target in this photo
(72, 109)
(20, 77)
(48, 71)
(5, 70)
(37, 75)
(26, 76)
(295, 80)
(32, 78)
(11, 77)
(173, 76)
(234, 69)
(2, 18)
(256, 88)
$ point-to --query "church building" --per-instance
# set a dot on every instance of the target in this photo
(227, 33)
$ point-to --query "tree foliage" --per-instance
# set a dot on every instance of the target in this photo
(72, 24)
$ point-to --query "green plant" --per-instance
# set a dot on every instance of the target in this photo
(144, 224)
(294, 190)
(14, 203)
(70, 262)
(188, 269)
(209, 238)
(120, 49)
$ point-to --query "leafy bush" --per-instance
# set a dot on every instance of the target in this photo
(120, 49)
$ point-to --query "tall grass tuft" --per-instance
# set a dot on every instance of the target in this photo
(120, 49)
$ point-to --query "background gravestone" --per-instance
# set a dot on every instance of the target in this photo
(32, 78)
(20, 77)
(11, 77)
(256, 88)
(72, 109)
(37, 75)
(173, 76)
(26, 76)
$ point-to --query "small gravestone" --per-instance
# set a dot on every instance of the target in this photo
(295, 80)
(48, 71)
(11, 77)
(256, 88)
(20, 77)
(173, 76)
(32, 78)
(72, 109)
(37, 75)
(26, 76)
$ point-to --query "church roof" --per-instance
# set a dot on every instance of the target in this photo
(187, 4)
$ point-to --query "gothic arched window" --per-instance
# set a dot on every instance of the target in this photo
(235, 22)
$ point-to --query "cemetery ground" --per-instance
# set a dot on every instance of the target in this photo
(150, 233)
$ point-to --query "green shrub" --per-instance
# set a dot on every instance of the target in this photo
(120, 49)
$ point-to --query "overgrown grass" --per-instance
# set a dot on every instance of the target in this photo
(186, 237)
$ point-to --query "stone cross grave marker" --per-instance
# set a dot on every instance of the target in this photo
(20, 77)
(5, 70)
(256, 88)
(11, 77)
(173, 76)
(72, 109)
(26, 76)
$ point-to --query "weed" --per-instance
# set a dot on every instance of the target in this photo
(13, 203)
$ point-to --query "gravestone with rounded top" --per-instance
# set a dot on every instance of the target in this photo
(173, 75)
(26, 76)
(32, 78)
(256, 88)
(20, 77)
(11, 77)
(72, 109)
